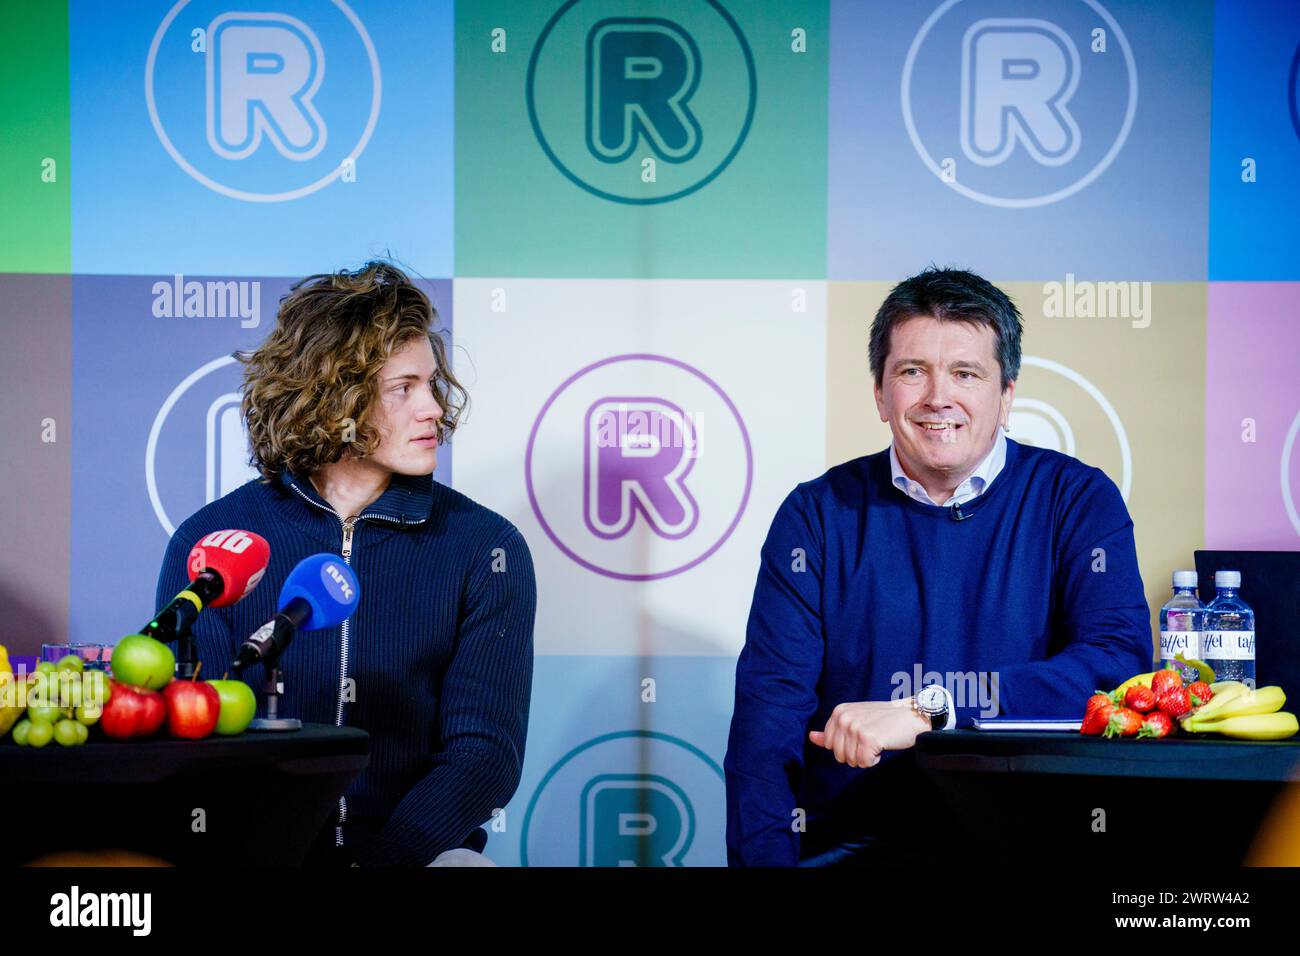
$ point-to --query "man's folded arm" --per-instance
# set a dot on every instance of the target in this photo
(483, 714)
(1103, 614)
(776, 681)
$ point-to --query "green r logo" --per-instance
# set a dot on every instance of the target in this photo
(627, 798)
(641, 109)
(634, 819)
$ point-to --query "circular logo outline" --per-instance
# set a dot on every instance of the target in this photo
(905, 97)
(620, 575)
(593, 742)
(1287, 499)
(241, 194)
(1053, 416)
(155, 430)
(1125, 452)
(649, 200)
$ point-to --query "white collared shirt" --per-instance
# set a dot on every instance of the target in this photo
(974, 485)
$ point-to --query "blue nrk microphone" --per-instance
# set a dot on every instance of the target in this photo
(320, 592)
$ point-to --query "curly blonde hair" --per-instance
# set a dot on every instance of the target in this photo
(310, 388)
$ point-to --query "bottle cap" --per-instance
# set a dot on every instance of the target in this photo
(1227, 579)
(1185, 579)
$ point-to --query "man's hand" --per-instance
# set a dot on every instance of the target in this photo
(858, 732)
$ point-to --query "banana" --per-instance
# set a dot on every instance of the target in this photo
(1275, 726)
(1220, 685)
(1266, 700)
(10, 710)
(1228, 692)
(1122, 689)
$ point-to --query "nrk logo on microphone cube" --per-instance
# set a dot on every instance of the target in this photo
(339, 582)
(325, 120)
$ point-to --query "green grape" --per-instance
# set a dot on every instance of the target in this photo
(71, 662)
(44, 712)
(94, 690)
(40, 734)
(20, 732)
(38, 694)
(88, 715)
(45, 667)
(65, 733)
(83, 732)
(70, 689)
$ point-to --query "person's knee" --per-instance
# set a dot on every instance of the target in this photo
(461, 856)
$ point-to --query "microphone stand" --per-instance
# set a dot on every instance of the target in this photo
(273, 688)
(186, 663)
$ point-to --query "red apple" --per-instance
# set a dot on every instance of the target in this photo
(193, 707)
(132, 711)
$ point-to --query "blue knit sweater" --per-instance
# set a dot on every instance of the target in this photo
(440, 649)
(859, 587)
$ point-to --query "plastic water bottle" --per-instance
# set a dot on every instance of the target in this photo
(1181, 623)
(1228, 641)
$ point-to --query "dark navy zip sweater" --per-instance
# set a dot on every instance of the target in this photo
(440, 650)
(858, 584)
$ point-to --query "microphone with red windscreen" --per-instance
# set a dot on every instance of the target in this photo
(224, 567)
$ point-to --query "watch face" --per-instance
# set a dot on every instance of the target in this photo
(931, 698)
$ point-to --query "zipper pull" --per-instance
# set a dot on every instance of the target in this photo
(347, 536)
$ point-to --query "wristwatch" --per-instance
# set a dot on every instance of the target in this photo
(933, 704)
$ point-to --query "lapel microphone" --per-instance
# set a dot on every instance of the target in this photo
(956, 513)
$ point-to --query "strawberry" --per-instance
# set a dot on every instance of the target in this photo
(1201, 693)
(1140, 698)
(1157, 724)
(1097, 714)
(1165, 680)
(1123, 723)
(1176, 702)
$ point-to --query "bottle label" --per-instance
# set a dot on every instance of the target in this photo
(1187, 643)
(1228, 645)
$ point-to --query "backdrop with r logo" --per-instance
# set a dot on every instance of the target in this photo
(662, 228)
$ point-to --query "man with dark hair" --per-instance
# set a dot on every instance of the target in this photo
(1002, 576)
(346, 403)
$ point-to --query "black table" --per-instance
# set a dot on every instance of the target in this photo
(1040, 793)
(264, 797)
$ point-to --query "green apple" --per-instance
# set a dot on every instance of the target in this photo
(238, 706)
(140, 661)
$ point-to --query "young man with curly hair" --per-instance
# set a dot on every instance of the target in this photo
(346, 403)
